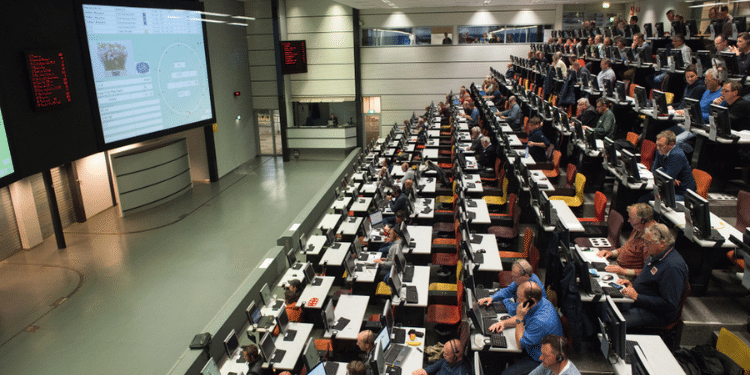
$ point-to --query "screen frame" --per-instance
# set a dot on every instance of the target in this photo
(89, 75)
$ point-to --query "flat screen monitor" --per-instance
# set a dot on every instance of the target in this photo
(330, 237)
(639, 364)
(309, 272)
(582, 271)
(563, 233)
(730, 60)
(564, 120)
(693, 108)
(400, 259)
(283, 320)
(609, 89)
(629, 162)
(699, 212)
(6, 162)
(690, 28)
(640, 97)
(535, 192)
(384, 338)
(349, 264)
(387, 315)
(659, 29)
(721, 119)
(545, 206)
(678, 27)
(610, 152)
(150, 69)
(594, 83)
(378, 365)
(590, 139)
(547, 110)
(210, 368)
(644, 54)
(648, 31)
(660, 99)
(629, 54)
(662, 53)
(253, 313)
(310, 355)
(265, 294)
(578, 128)
(615, 324)
(231, 343)
(664, 188)
(328, 316)
(620, 91)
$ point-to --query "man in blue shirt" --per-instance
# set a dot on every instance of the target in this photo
(453, 362)
(513, 115)
(521, 272)
(554, 359)
(657, 291)
(471, 113)
(537, 143)
(535, 319)
(675, 164)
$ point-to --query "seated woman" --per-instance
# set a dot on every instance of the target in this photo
(631, 256)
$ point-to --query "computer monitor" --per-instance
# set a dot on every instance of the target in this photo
(659, 29)
(608, 88)
(699, 212)
(693, 108)
(376, 219)
(720, 117)
(610, 152)
(265, 294)
(330, 237)
(564, 123)
(328, 317)
(563, 234)
(535, 192)
(730, 60)
(590, 139)
(283, 321)
(310, 355)
(578, 125)
(478, 369)
(691, 29)
(678, 27)
(210, 368)
(629, 54)
(615, 326)
(349, 264)
(620, 91)
(664, 188)
(399, 259)
(594, 83)
(616, 55)
(309, 271)
(253, 313)
(740, 24)
(386, 318)
(582, 271)
(383, 338)
(395, 280)
(704, 60)
(630, 163)
(660, 99)
(639, 364)
(231, 343)
(662, 53)
(648, 31)
(640, 97)
(545, 207)
(644, 53)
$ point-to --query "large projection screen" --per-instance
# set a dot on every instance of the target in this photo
(6, 163)
(150, 70)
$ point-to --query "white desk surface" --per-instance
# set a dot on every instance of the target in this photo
(479, 341)
(430, 153)
(350, 226)
(567, 216)
(657, 353)
(290, 275)
(341, 204)
(433, 134)
(367, 275)
(428, 184)
(492, 261)
(647, 178)
(471, 163)
(421, 280)
(293, 348)
(351, 307)
(359, 176)
(422, 234)
(318, 241)
(335, 257)
(316, 291)
(589, 255)
(415, 358)
(361, 204)
(350, 188)
(514, 140)
(474, 179)
(482, 214)
(677, 217)
(541, 180)
(526, 160)
(419, 205)
(329, 221)
(744, 136)
(230, 364)
(369, 188)
(463, 125)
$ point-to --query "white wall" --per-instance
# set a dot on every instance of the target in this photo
(656, 11)
(407, 78)
(235, 139)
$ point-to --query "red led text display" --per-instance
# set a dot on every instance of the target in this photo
(294, 57)
(49, 80)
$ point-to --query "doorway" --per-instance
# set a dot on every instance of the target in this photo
(269, 132)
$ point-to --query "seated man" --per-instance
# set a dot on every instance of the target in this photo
(658, 289)
(554, 359)
(397, 199)
(605, 125)
(366, 343)
(586, 113)
(486, 157)
(471, 113)
(356, 368)
(395, 220)
(453, 362)
(409, 174)
(537, 143)
(476, 140)
(513, 115)
(675, 164)
(521, 272)
(535, 319)
(739, 109)
(631, 256)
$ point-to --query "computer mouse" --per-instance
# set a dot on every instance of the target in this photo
(607, 277)
(481, 251)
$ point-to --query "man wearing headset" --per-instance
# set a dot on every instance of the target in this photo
(535, 319)
(521, 272)
(554, 359)
(453, 362)
(366, 343)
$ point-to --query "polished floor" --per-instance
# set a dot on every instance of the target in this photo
(128, 294)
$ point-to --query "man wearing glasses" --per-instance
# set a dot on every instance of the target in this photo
(657, 291)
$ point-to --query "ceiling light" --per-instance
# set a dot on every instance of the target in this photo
(709, 5)
(214, 14)
(238, 24)
(605, 5)
(244, 18)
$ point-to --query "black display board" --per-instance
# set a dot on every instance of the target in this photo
(49, 81)
(293, 57)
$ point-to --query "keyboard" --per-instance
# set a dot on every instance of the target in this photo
(612, 292)
(399, 335)
(498, 340)
(499, 308)
(480, 293)
(599, 266)
(358, 267)
(310, 247)
(297, 266)
(487, 321)
(340, 324)
(265, 322)
(411, 294)
(408, 273)
(629, 350)
(363, 256)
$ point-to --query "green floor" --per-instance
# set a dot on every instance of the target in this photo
(139, 288)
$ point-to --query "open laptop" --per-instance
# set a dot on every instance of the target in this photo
(395, 354)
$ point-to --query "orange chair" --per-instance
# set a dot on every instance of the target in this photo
(555, 171)
(600, 203)
(703, 182)
(648, 152)
(448, 314)
(632, 138)
(528, 241)
(511, 203)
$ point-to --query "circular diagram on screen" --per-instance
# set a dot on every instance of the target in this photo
(182, 80)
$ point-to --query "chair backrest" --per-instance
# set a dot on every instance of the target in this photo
(647, 153)
(550, 151)
(580, 184)
(516, 216)
(528, 241)
(534, 257)
(702, 182)
(570, 174)
(734, 348)
(556, 156)
(460, 295)
(632, 138)
(459, 268)
(743, 210)
(614, 227)
(600, 204)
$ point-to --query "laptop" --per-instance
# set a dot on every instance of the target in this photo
(376, 221)
(395, 354)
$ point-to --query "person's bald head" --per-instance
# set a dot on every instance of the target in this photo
(453, 351)
(408, 184)
(404, 166)
(366, 340)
